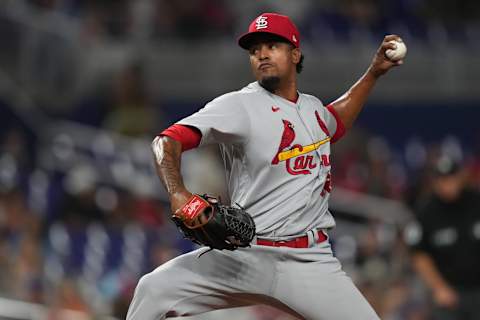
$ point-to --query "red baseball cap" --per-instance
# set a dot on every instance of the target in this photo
(272, 23)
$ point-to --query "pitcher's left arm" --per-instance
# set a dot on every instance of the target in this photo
(349, 105)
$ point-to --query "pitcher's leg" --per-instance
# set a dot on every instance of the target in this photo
(189, 285)
(314, 285)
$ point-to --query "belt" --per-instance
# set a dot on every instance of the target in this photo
(301, 242)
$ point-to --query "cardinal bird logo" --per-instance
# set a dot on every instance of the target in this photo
(287, 138)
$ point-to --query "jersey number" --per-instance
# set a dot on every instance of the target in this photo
(327, 186)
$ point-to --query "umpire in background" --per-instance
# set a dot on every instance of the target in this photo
(446, 243)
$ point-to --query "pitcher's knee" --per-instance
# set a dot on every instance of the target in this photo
(143, 286)
(154, 285)
(150, 300)
(158, 291)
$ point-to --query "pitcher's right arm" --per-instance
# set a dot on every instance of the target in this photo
(167, 154)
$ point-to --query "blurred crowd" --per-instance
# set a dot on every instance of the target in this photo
(423, 19)
(80, 216)
(69, 238)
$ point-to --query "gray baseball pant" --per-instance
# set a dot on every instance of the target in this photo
(308, 283)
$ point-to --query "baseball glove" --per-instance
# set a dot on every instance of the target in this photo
(207, 222)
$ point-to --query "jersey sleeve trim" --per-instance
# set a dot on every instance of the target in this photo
(340, 132)
(188, 136)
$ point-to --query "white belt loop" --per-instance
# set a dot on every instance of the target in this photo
(312, 238)
(315, 234)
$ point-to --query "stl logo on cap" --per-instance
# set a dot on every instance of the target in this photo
(261, 22)
(272, 23)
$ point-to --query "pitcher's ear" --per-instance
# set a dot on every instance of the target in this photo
(296, 54)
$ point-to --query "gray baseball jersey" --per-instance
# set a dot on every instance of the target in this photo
(277, 157)
(277, 160)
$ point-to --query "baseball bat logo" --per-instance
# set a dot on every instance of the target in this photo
(296, 157)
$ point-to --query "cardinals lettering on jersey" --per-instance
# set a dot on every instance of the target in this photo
(296, 157)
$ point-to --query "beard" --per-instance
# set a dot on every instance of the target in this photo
(270, 83)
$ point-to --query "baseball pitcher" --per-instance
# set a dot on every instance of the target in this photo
(270, 244)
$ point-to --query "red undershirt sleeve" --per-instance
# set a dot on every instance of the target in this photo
(340, 131)
(188, 136)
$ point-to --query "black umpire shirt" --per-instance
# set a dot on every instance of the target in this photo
(450, 234)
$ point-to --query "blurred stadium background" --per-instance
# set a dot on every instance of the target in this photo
(85, 85)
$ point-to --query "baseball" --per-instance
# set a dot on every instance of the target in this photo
(399, 52)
